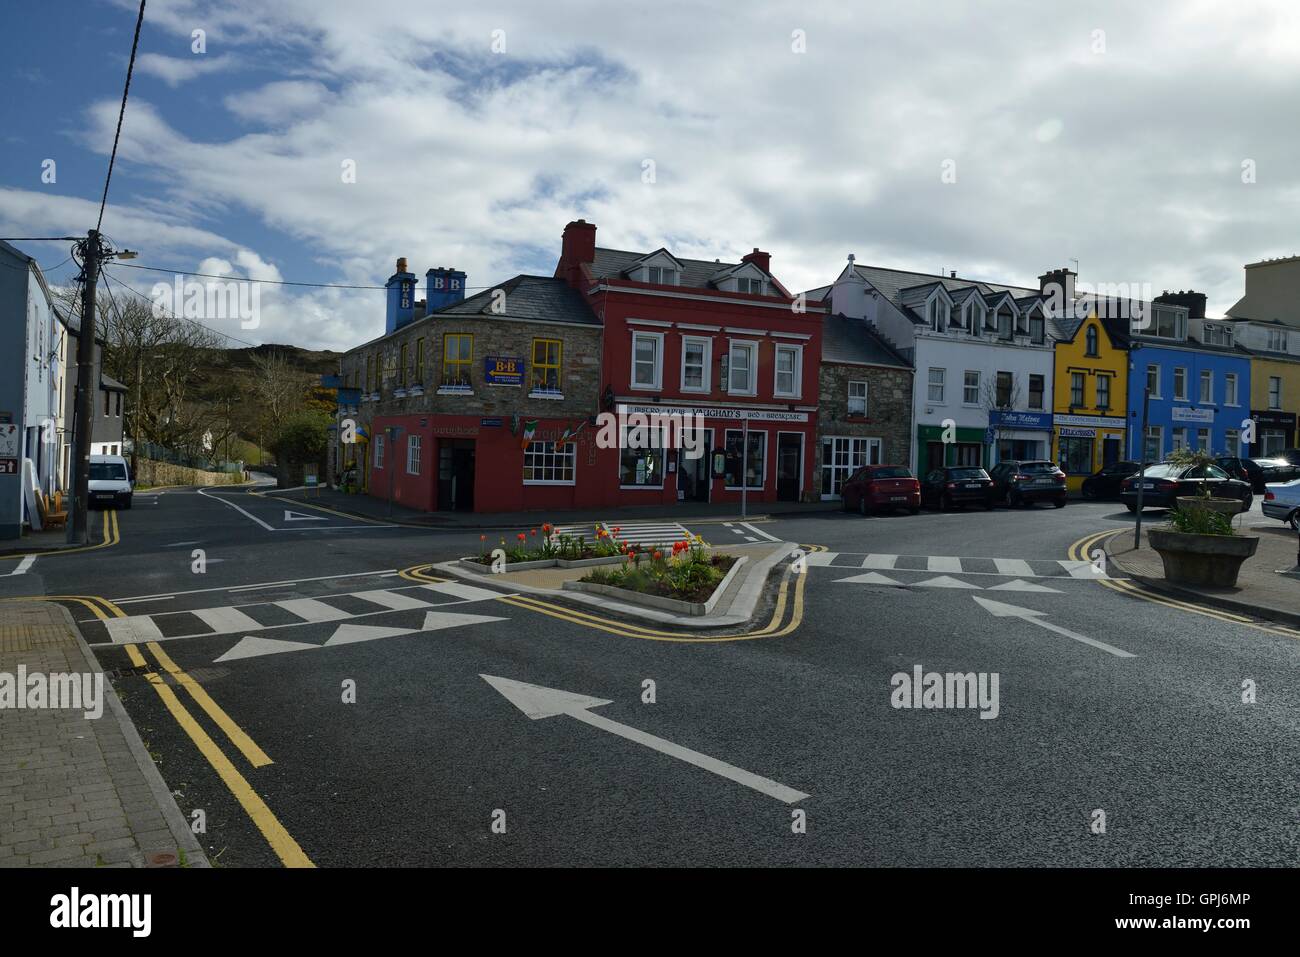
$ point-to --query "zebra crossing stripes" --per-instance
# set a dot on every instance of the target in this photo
(954, 565)
(634, 533)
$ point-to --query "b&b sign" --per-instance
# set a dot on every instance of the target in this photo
(504, 370)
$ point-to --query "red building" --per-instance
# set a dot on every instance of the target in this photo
(723, 341)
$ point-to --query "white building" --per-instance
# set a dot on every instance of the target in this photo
(982, 354)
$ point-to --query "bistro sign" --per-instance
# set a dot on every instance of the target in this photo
(712, 412)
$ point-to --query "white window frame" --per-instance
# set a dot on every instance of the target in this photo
(1232, 442)
(966, 387)
(1102, 388)
(706, 384)
(1204, 437)
(1206, 384)
(1156, 432)
(413, 449)
(1277, 340)
(1230, 389)
(864, 397)
(658, 339)
(567, 451)
(796, 372)
(930, 384)
(1155, 393)
(1180, 393)
(379, 450)
(1177, 438)
(661, 275)
(749, 346)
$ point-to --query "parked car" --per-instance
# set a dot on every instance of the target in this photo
(1165, 482)
(1291, 455)
(1018, 482)
(1259, 472)
(957, 485)
(875, 487)
(1282, 501)
(1105, 482)
(110, 481)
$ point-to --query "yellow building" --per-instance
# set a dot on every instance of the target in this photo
(1089, 396)
(1274, 401)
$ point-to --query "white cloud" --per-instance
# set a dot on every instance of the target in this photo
(177, 70)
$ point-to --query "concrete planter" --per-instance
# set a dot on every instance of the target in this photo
(588, 562)
(482, 569)
(1202, 559)
(694, 608)
(1224, 506)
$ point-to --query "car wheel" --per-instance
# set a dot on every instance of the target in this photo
(945, 502)
(1247, 502)
(1059, 503)
(1087, 491)
(914, 510)
(1294, 520)
(1014, 500)
(1132, 508)
(844, 503)
(862, 507)
(126, 502)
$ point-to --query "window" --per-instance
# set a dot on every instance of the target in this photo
(413, 443)
(1074, 456)
(741, 376)
(937, 313)
(661, 275)
(789, 362)
(1036, 334)
(696, 361)
(457, 354)
(1091, 338)
(754, 286)
(117, 404)
(1078, 382)
(1153, 449)
(1004, 323)
(1230, 388)
(1274, 392)
(935, 393)
(370, 373)
(1036, 385)
(1216, 334)
(1180, 384)
(1272, 442)
(1153, 381)
(749, 463)
(546, 365)
(419, 359)
(379, 451)
(1164, 324)
(642, 468)
(1207, 386)
(1203, 440)
(975, 318)
(401, 366)
(857, 398)
(1178, 440)
(647, 360)
(1004, 389)
(1232, 442)
(545, 463)
(1277, 340)
(841, 457)
(1103, 392)
(970, 388)
(108, 404)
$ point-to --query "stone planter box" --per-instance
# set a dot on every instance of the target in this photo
(694, 608)
(1224, 506)
(1202, 559)
(482, 569)
(588, 562)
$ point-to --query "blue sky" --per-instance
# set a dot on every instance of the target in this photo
(1110, 135)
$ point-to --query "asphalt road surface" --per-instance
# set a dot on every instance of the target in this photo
(325, 702)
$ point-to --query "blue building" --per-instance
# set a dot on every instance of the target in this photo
(1198, 378)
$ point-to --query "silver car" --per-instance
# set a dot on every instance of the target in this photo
(1282, 501)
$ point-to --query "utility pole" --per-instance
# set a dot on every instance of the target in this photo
(1142, 464)
(139, 404)
(83, 422)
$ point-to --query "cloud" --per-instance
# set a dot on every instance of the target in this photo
(177, 70)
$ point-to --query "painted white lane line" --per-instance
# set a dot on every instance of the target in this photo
(467, 592)
(23, 565)
(137, 628)
(225, 620)
(383, 573)
(392, 599)
(1002, 610)
(242, 511)
(943, 563)
(820, 558)
(1079, 569)
(1014, 566)
(309, 609)
(880, 562)
(538, 702)
(759, 531)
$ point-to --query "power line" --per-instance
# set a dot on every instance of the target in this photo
(270, 282)
(139, 21)
(173, 316)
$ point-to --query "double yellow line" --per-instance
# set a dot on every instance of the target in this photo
(111, 536)
(773, 629)
(1080, 551)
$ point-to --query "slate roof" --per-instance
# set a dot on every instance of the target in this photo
(853, 340)
(529, 298)
(891, 282)
(1067, 328)
(611, 263)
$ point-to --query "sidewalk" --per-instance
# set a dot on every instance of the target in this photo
(365, 506)
(76, 791)
(1263, 590)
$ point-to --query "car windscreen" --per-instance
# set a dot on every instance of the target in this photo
(1036, 468)
(107, 472)
(889, 473)
(966, 474)
(1163, 471)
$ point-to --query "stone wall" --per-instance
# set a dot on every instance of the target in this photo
(149, 472)
(889, 408)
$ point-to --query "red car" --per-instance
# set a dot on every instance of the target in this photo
(874, 488)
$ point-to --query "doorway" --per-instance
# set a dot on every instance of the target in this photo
(789, 466)
(456, 475)
(693, 475)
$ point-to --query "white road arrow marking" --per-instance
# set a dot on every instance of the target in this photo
(1000, 610)
(251, 647)
(303, 517)
(346, 634)
(944, 581)
(23, 565)
(1020, 585)
(870, 578)
(538, 702)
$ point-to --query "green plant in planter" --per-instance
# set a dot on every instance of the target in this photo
(1195, 457)
(1199, 521)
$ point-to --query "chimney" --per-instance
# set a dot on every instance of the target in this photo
(401, 298)
(578, 250)
(1057, 287)
(760, 259)
(952, 274)
(1194, 301)
(444, 287)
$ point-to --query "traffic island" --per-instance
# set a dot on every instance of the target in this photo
(1267, 586)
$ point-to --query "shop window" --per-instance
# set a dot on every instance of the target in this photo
(749, 462)
(457, 355)
(546, 365)
(546, 463)
(1075, 456)
(641, 468)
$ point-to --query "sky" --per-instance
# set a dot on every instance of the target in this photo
(1153, 143)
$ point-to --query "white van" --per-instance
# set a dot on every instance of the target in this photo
(110, 481)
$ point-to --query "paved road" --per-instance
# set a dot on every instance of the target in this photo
(335, 710)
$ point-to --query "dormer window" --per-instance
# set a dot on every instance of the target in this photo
(1004, 323)
(1036, 329)
(1163, 324)
(661, 275)
(751, 286)
(937, 314)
